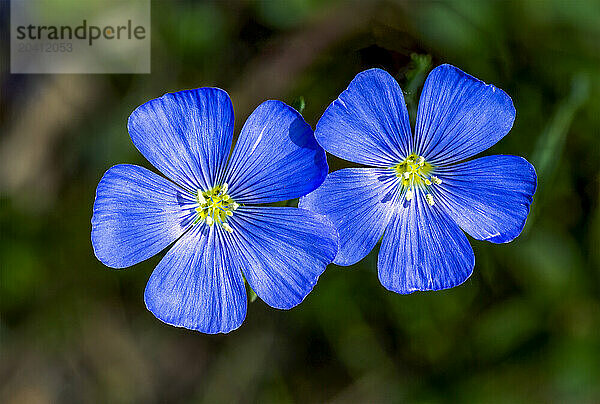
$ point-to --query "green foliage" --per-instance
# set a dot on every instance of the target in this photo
(299, 104)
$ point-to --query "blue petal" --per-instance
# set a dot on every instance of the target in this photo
(136, 215)
(423, 249)
(276, 157)
(359, 202)
(460, 116)
(368, 123)
(282, 251)
(197, 286)
(489, 197)
(186, 135)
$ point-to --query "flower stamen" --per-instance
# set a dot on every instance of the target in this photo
(415, 172)
(215, 206)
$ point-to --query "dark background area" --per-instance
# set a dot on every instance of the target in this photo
(524, 328)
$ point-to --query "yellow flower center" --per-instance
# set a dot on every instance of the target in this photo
(215, 206)
(415, 171)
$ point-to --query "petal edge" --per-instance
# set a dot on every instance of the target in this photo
(282, 251)
(368, 123)
(460, 116)
(194, 287)
(359, 202)
(423, 249)
(136, 215)
(186, 135)
(276, 157)
(489, 197)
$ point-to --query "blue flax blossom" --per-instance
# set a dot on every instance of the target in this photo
(207, 208)
(420, 191)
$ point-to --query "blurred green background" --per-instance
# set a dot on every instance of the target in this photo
(524, 328)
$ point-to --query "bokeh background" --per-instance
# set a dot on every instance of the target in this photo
(524, 328)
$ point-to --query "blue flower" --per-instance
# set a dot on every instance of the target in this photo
(420, 192)
(207, 209)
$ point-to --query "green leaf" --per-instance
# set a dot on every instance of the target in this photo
(251, 294)
(299, 104)
(415, 77)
